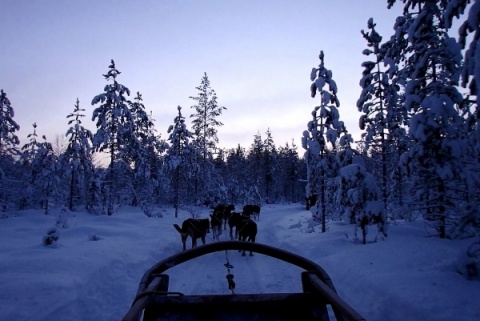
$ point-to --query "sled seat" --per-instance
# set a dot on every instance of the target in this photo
(266, 307)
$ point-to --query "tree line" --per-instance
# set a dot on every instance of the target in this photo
(418, 154)
(143, 169)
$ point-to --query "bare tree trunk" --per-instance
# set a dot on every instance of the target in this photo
(72, 190)
(176, 197)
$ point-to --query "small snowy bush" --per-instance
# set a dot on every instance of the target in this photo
(62, 219)
(95, 237)
(52, 237)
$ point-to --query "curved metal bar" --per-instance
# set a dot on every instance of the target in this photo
(201, 250)
(140, 301)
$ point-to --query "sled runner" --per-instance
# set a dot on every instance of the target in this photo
(318, 301)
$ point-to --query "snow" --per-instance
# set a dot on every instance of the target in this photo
(93, 270)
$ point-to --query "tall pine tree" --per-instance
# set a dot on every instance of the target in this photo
(469, 40)
(430, 72)
(8, 139)
(205, 124)
(78, 155)
(8, 148)
(324, 128)
(115, 129)
(205, 121)
(40, 172)
(179, 150)
(378, 103)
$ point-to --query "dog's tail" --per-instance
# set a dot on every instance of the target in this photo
(178, 229)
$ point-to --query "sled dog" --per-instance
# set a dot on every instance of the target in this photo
(195, 228)
(248, 232)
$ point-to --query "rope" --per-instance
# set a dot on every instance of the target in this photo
(229, 276)
(231, 283)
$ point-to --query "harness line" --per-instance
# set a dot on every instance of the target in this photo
(229, 276)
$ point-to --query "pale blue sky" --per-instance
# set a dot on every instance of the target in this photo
(257, 54)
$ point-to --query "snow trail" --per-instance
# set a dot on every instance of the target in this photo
(252, 274)
(94, 271)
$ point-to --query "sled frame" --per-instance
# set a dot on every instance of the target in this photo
(154, 302)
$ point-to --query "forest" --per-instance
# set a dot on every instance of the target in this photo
(418, 155)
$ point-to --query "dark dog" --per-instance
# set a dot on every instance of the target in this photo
(216, 222)
(236, 221)
(225, 211)
(252, 210)
(195, 228)
(226, 217)
(248, 232)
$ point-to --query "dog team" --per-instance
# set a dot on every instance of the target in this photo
(222, 216)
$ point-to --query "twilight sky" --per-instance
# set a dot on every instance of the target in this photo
(257, 54)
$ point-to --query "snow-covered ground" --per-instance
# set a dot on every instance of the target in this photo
(93, 272)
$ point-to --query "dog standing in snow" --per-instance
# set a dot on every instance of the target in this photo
(195, 228)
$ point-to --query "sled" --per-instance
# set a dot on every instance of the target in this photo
(318, 300)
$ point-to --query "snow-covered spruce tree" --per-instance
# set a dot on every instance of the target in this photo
(8, 139)
(431, 73)
(205, 121)
(324, 128)
(340, 155)
(289, 170)
(41, 178)
(236, 174)
(469, 39)
(255, 180)
(142, 185)
(270, 167)
(78, 156)
(395, 52)
(30, 175)
(469, 31)
(96, 193)
(378, 103)
(146, 162)
(205, 126)
(115, 131)
(179, 150)
(359, 194)
(8, 147)
(218, 187)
